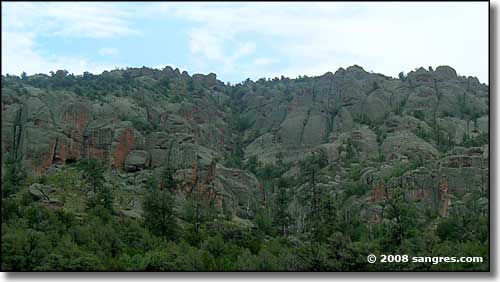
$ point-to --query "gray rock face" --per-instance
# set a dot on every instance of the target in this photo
(445, 73)
(136, 160)
(342, 122)
(195, 125)
(41, 191)
(240, 187)
(375, 106)
(408, 144)
(131, 213)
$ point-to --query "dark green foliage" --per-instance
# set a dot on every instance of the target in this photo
(242, 123)
(314, 162)
(444, 141)
(13, 177)
(264, 222)
(357, 188)
(450, 229)
(402, 220)
(23, 249)
(159, 215)
(167, 180)
(381, 135)
(143, 125)
(236, 158)
(281, 215)
(93, 172)
(151, 184)
(328, 218)
(419, 114)
(476, 141)
(269, 172)
(315, 195)
(400, 168)
(252, 164)
(197, 211)
(426, 136)
(363, 119)
(38, 238)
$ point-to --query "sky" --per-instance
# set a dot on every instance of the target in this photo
(243, 40)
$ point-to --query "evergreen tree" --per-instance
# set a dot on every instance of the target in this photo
(159, 214)
(93, 172)
(13, 177)
(167, 179)
(197, 211)
(400, 220)
(281, 214)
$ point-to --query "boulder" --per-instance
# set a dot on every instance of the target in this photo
(445, 73)
(136, 160)
(454, 127)
(408, 144)
(41, 191)
(291, 130)
(131, 213)
(375, 107)
(482, 124)
(240, 189)
(422, 101)
(342, 122)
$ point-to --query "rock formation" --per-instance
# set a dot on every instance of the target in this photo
(139, 121)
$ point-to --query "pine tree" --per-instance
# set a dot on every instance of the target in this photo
(93, 173)
(14, 175)
(159, 214)
(281, 214)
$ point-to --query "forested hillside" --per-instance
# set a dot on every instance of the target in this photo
(157, 170)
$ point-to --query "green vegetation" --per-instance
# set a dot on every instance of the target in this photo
(269, 175)
(13, 177)
(159, 217)
(196, 237)
(476, 141)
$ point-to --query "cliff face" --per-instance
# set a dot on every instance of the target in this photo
(141, 120)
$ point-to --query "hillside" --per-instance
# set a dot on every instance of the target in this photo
(353, 160)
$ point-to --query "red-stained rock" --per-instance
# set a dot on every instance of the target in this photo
(126, 142)
(76, 117)
(67, 149)
(95, 153)
(45, 160)
(379, 193)
(445, 199)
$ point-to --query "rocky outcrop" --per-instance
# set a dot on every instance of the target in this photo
(140, 121)
(445, 73)
(465, 173)
(137, 160)
(239, 188)
(408, 144)
(44, 193)
(40, 191)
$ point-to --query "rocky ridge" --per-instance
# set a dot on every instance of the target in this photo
(433, 123)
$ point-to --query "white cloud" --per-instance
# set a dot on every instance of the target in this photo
(108, 51)
(206, 44)
(23, 23)
(19, 54)
(262, 61)
(321, 37)
(209, 47)
(243, 50)
(69, 19)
